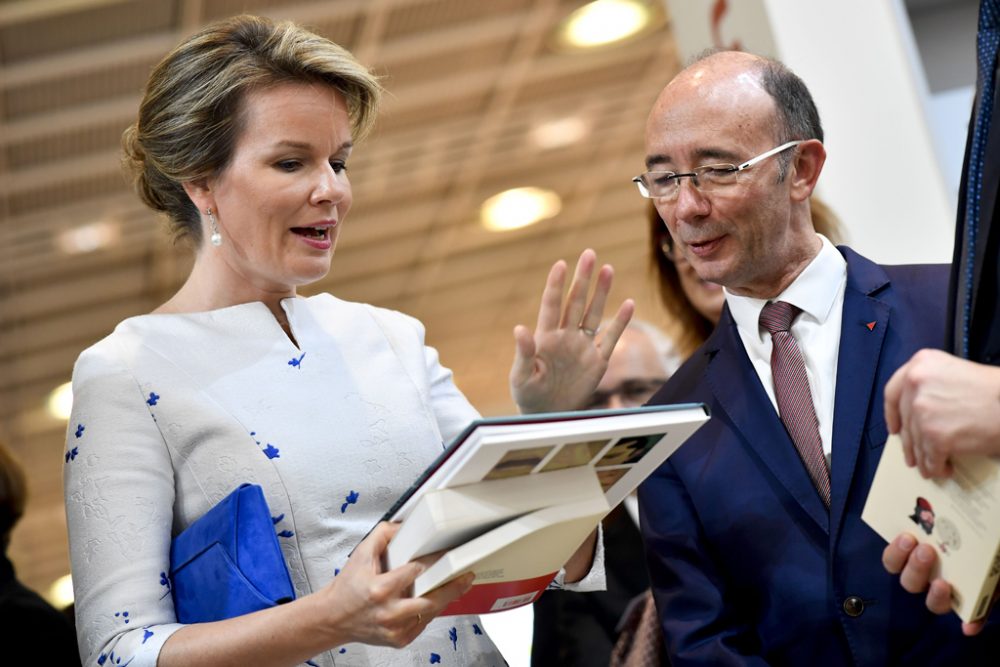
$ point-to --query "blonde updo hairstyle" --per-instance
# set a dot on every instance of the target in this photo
(190, 116)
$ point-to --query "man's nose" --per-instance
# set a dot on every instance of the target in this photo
(691, 201)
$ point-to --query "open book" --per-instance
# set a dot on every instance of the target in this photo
(512, 498)
(956, 515)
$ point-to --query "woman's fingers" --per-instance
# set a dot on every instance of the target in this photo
(576, 300)
(616, 327)
(550, 310)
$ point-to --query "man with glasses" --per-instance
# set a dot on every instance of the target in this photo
(756, 547)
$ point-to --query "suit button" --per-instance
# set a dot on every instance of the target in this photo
(854, 606)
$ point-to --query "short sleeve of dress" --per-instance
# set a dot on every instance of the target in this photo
(119, 493)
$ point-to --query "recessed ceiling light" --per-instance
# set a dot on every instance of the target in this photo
(519, 207)
(605, 22)
(560, 133)
(60, 402)
(89, 237)
(61, 592)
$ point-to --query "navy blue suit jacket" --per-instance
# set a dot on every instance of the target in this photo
(747, 565)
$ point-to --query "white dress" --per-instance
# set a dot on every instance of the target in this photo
(174, 411)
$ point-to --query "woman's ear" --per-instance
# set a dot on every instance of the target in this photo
(199, 191)
(805, 170)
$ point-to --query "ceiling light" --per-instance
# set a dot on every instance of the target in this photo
(559, 133)
(60, 402)
(519, 207)
(604, 22)
(88, 238)
(61, 592)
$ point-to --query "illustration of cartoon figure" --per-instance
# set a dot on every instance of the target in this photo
(923, 515)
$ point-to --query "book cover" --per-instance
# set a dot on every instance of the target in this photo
(513, 498)
(956, 515)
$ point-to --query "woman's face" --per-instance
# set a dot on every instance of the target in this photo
(282, 199)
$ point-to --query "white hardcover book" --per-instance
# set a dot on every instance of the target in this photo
(445, 518)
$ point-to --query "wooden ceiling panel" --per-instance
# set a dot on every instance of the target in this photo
(80, 25)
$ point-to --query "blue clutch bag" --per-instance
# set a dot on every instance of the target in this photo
(228, 562)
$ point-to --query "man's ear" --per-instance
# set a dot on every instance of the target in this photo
(199, 191)
(805, 169)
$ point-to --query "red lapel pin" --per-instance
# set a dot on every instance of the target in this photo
(871, 326)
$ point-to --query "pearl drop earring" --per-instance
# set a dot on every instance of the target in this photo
(216, 238)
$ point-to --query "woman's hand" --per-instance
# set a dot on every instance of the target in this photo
(559, 366)
(372, 606)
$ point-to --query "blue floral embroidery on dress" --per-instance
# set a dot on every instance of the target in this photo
(285, 533)
(165, 581)
(118, 661)
(80, 428)
(71, 454)
(336, 571)
(351, 498)
(297, 363)
(342, 650)
(101, 659)
(153, 398)
(476, 630)
(124, 615)
(146, 634)
(310, 662)
(272, 452)
(453, 636)
(435, 659)
(277, 519)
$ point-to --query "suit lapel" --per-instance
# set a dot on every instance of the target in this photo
(735, 384)
(857, 367)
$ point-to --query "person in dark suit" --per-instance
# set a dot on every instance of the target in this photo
(945, 405)
(755, 543)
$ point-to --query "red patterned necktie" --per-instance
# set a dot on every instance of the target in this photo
(791, 387)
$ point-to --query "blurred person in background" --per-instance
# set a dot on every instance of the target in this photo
(26, 619)
(243, 139)
(581, 629)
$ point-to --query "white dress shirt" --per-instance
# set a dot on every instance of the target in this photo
(819, 292)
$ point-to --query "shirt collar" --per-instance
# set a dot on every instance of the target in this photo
(814, 291)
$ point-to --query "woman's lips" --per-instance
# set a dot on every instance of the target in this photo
(316, 236)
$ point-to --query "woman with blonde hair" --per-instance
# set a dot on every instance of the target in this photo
(331, 407)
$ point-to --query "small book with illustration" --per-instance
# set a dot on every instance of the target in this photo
(512, 498)
(956, 515)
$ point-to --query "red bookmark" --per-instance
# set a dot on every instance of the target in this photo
(871, 326)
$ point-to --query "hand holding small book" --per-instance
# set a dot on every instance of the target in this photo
(942, 407)
(915, 564)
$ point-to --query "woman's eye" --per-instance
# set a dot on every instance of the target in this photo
(288, 165)
(338, 166)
